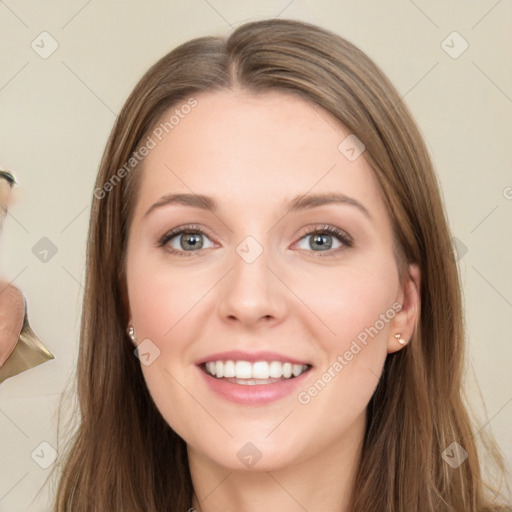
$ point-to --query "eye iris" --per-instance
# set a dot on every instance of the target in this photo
(194, 239)
(320, 239)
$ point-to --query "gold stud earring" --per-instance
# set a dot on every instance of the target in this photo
(400, 339)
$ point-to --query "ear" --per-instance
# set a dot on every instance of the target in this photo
(404, 322)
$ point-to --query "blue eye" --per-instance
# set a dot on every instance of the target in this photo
(190, 240)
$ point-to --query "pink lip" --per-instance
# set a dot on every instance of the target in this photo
(259, 394)
(238, 355)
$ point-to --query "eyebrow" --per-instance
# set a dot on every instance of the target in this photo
(298, 203)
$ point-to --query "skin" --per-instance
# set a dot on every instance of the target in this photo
(253, 154)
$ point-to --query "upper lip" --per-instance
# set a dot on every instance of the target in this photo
(239, 355)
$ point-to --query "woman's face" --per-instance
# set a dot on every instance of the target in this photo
(251, 290)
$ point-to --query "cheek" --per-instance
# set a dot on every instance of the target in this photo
(160, 296)
(161, 303)
(348, 300)
(355, 307)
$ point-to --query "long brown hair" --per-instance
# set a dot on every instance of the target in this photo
(123, 456)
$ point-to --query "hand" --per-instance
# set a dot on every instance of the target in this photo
(12, 313)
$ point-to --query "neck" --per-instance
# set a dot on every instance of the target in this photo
(323, 482)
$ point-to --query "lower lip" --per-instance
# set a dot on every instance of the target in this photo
(256, 394)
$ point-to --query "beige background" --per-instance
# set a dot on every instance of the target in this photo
(56, 114)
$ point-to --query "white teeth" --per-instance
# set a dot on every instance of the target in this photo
(297, 370)
(219, 369)
(243, 369)
(276, 370)
(229, 369)
(260, 370)
(257, 371)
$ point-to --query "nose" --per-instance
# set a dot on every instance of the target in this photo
(252, 293)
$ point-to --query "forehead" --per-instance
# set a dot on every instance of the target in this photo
(253, 150)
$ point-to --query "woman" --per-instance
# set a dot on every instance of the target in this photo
(309, 356)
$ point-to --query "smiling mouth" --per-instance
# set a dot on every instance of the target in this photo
(259, 372)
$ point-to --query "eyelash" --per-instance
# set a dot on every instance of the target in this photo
(343, 237)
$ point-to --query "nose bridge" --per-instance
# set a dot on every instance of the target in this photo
(252, 291)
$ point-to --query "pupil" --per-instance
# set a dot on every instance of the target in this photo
(320, 239)
(192, 239)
